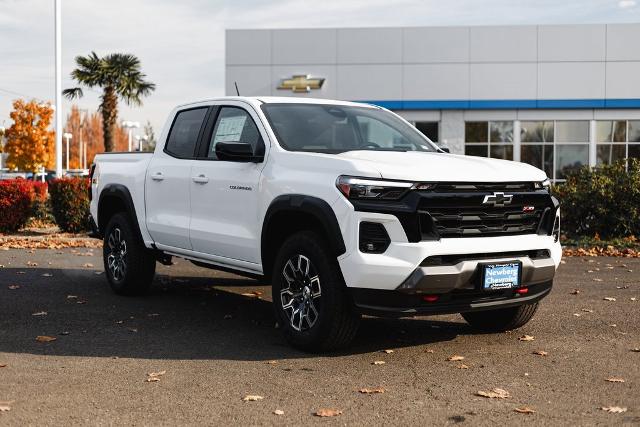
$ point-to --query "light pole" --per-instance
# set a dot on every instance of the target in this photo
(58, 85)
(140, 139)
(67, 136)
(130, 126)
(2, 131)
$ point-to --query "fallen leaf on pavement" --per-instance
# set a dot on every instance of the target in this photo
(327, 412)
(254, 294)
(595, 279)
(3, 365)
(4, 406)
(45, 338)
(462, 366)
(47, 275)
(387, 351)
(278, 412)
(252, 398)
(587, 310)
(429, 351)
(455, 358)
(615, 380)
(525, 410)
(496, 393)
(14, 287)
(609, 299)
(574, 292)
(526, 338)
(72, 296)
(633, 298)
(540, 353)
(32, 264)
(378, 362)
(40, 313)
(153, 377)
(614, 409)
(372, 390)
(272, 362)
(87, 265)
(636, 350)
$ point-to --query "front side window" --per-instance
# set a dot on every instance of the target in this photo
(183, 136)
(234, 125)
(324, 128)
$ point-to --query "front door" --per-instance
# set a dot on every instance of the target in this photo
(225, 194)
(168, 180)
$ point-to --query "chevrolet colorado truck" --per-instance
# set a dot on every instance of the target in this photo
(345, 208)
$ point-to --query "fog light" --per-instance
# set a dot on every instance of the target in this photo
(430, 298)
(373, 238)
(522, 291)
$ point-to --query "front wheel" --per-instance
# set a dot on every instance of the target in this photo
(309, 296)
(128, 264)
(503, 319)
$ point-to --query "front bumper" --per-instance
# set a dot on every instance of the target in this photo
(402, 304)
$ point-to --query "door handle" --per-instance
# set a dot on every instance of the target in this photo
(158, 176)
(200, 179)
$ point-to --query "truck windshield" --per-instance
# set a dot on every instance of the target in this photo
(324, 128)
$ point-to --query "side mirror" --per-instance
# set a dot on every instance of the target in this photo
(445, 149)
(236, 152)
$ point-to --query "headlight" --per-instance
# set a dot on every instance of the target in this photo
(368, 189)
(546, 185)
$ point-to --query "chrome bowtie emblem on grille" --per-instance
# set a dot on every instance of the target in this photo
(498, 199)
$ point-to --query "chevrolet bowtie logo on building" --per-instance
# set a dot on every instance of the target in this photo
(498, 199)
(301, 83)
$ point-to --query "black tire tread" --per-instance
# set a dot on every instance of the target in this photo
(502, 319)
(344, 320)
(141, 264)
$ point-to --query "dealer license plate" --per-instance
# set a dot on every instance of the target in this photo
(501, 276)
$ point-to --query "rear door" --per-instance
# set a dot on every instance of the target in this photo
(168, 180)
(225, 194)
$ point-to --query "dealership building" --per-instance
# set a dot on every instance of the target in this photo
(554, 96)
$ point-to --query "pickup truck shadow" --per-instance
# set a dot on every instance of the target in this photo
(182, 318)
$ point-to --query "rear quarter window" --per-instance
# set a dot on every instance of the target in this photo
(184, 132)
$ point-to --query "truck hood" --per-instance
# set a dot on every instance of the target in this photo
(424, 166)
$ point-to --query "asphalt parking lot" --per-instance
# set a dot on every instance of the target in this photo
(218, 346)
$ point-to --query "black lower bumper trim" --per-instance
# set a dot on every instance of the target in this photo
(399, 304)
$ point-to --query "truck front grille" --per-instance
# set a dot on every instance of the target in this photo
(476, 221)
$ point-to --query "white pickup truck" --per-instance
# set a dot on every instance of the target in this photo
(345, 208)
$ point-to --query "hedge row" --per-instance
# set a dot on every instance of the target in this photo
(603, 202)
(66, 198)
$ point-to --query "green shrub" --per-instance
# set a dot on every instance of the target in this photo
(70, 203)
(603, 201)
(16, 201)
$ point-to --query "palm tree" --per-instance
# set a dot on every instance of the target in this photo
(119, 76)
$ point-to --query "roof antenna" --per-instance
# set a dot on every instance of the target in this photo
(237, 91)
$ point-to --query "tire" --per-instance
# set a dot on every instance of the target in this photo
(501, 320)
(307, 278)
(128, 264)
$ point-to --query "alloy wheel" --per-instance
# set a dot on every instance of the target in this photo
(301, 297)
(116, 258)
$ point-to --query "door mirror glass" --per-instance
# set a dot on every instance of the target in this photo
(236, 152)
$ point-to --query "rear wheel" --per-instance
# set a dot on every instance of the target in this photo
(502, 319)
(309, 296)
(128, 264)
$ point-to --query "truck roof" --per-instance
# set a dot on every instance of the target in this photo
(257, 100)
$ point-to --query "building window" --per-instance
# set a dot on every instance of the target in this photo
(617, 140)
(428, 129)
(572, 146)
(537, 145)
(489, 139)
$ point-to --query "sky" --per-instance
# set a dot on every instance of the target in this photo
(181, 42)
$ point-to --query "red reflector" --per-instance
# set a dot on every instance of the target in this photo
(430, 298)
(522, 291)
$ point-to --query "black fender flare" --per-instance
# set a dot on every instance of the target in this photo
(121, 192)
(309, 205)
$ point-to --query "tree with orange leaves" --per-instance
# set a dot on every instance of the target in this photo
(30, 144)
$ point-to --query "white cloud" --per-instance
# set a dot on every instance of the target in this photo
(626, 4)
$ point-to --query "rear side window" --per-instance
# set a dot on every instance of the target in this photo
(183, 136)
(234, 125)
